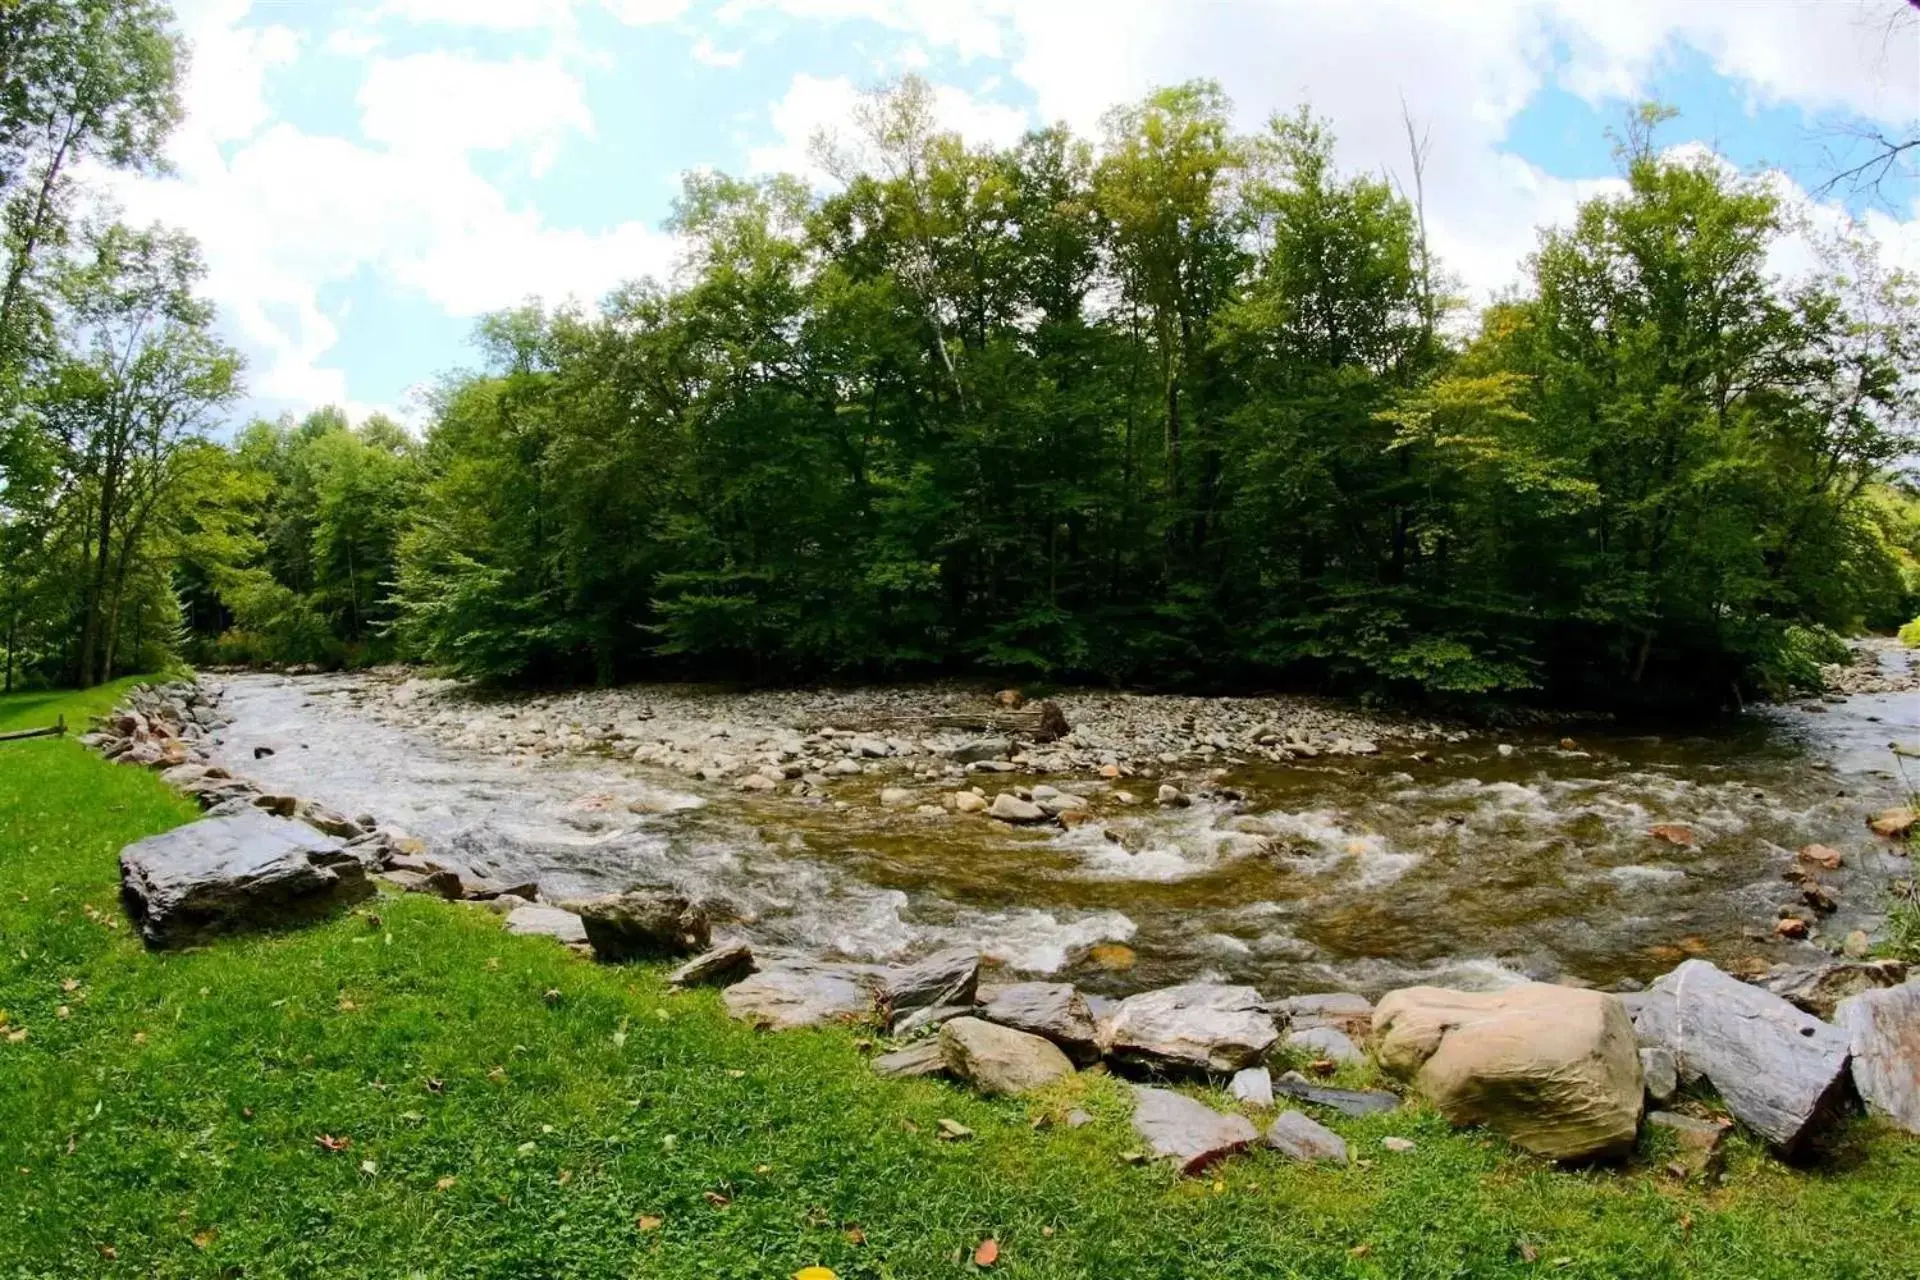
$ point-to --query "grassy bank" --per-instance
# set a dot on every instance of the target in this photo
(508, 1109)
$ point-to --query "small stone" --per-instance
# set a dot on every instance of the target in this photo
(757, 782)
(1673, 833)
(1171, 797)
(1858, 946)
(1661, 1073)
(1819, 855)
(1701, 1143)
(1791, 927)
(1325, 1043)
(894, 797)
(953, 1131)
(1894, 824)
(1396, 1144)
(969, 802)
(1253, 1086)
(1300, 1137)
(1077, 1119)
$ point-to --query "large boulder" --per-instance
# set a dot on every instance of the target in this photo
(1553, 1068)
(1883, 1032)
(1201, 1026)
(1051, 1009)
(1000, 1060)
(1191, 1134)
(803, 994)
(250, 870)
(1779, 1069)
(643, 923)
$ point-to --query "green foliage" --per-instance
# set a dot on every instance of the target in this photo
(514, 1110)
(1178, 408)
(1900, 936)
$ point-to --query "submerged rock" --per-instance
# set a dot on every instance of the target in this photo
(1008, 807)
(1191, 1134)
(246, 871)
(1201, 1026)
(1554, 1069)
(1779, 1070)
(1000, 1060)
(1883, 1032)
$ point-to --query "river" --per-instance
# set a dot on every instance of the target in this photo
(1452, 862)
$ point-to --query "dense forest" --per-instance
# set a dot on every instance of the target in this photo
(1170, 406)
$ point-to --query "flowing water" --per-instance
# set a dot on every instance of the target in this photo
(1468, 867)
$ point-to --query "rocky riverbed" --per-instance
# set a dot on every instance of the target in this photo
(1298, 845)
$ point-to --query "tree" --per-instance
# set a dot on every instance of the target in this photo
(139, 379)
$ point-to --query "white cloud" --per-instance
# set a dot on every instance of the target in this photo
(970, 28)
(645, 12)
(705, 51)
(814, 105)
(439, 103)
(493, 15)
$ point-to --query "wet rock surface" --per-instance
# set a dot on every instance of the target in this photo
(248, 871)
(1054, 1010)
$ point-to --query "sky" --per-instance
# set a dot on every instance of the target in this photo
(368, 178)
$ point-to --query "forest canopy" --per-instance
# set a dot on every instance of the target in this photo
(1175, 405)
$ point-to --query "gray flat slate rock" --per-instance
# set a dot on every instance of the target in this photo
(1191, 1134)
(247, 870)
(804, 994)
(551, 921)
(1352, 1102)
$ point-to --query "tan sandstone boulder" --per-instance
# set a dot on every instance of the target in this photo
(1555, 1069)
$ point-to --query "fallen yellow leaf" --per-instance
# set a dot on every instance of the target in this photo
(815, 1273)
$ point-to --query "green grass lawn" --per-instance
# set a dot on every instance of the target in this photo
(509, 1109)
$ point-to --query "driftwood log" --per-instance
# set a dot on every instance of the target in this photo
(55, 730)
(1043, 722)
